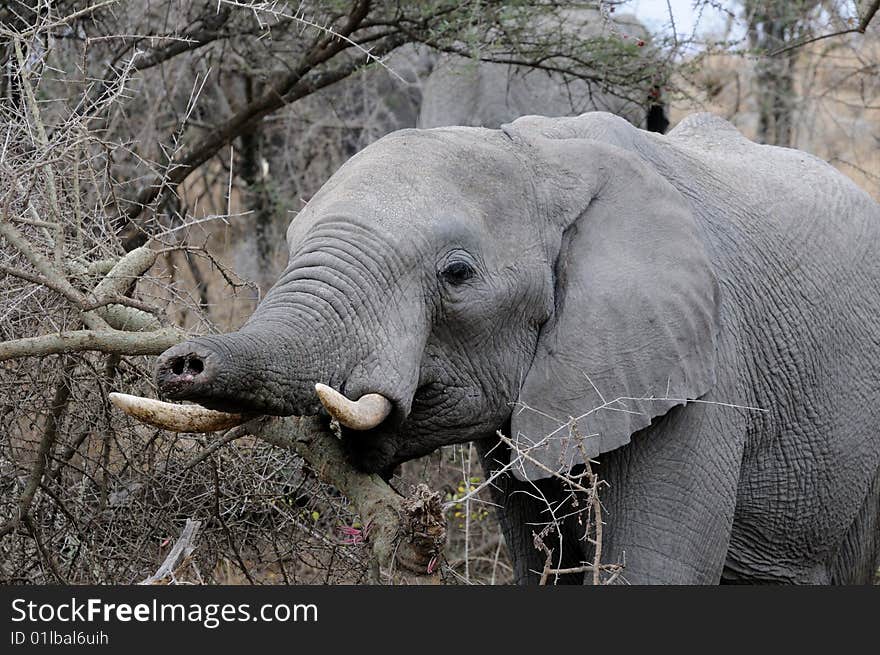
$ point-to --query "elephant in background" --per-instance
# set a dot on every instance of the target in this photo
(699, 313)
(460, 91)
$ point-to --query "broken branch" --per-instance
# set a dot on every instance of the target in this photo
(406, 534)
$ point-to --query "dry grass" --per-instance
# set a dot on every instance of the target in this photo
(838, 108)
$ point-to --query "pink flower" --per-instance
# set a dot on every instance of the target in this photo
(354, 536)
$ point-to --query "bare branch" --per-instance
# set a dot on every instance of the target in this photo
(61, 21)
(43, 141)
(295, 86)
(871, 8)
(109, 341)
(47, 441)
(179, 554)
(379, 505)
(55, 280)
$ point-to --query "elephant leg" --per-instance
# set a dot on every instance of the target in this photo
(524, 510)
(672, 493)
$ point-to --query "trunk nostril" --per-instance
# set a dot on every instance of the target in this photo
(191, 365)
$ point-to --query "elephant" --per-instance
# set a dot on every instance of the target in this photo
(460, 91)
(695, 314)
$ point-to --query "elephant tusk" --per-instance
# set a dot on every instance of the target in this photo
(176, 418)
(368, 412)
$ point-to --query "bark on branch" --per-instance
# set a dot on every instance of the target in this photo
(113, 328)
(180, 553)
(57, 280)
(118, 282)
(406, 534)
(116, 342)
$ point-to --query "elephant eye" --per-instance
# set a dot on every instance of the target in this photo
(457, 272)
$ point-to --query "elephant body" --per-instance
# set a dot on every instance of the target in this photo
(788, 491)
(697, 313)
(486, 94)
(460, 91)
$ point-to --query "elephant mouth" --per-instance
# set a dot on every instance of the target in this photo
(239, 404)
(376, 438)
(364, 414)
(373, 451)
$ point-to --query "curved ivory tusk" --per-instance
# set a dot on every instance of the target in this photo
(368, 412)
(176, 418)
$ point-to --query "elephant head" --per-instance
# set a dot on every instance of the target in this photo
(459, 281)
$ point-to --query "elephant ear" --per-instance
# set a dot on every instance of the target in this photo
(636, 307)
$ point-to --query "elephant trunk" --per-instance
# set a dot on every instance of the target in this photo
(312, 346)
(239, 372)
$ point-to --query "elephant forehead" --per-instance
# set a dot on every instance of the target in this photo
(430, 164)
(423, 178)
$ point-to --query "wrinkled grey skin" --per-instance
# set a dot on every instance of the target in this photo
(607, 263)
